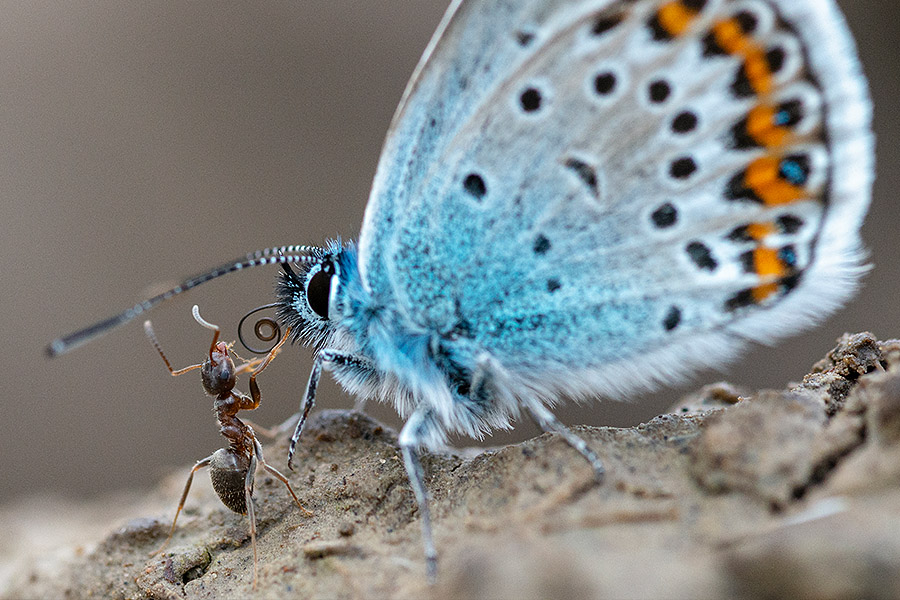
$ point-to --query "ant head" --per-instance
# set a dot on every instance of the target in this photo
(228, 472)
(218, 371)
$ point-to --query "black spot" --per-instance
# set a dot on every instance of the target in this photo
(684, 122)
(795, 169)
(672, 319)
(742, 299)
(741, 86)
(702, 256)
(605, 83)
(788, 255)
(740, 138)
(789, 113)
(584, 171)
(541, 244)
(740, 234)
(659, 91)
(682, 168)
(474, 185)
(696, 5)
(657, 31)
(736, 188)
(747, 21)
(604, 24)
(524, 38)
(665, 215)
(748, 261)
(789, 223)
(776, 57)
(553, 284)
(711, 46)
(745, 297)
(530, 100)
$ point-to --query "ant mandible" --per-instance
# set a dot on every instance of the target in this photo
(232, 469)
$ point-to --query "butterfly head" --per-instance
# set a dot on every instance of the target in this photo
(309, 295)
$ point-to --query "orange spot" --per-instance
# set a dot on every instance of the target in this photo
(729, 36)
(763, 178)
(761, 126)
(675, 17)
(732, 39)
(761, 172)
(757, 70)
(758, 231)
(764, 291)
(767, 264)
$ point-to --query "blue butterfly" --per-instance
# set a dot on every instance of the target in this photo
(586, 198)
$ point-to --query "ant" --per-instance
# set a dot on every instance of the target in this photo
(232, 469)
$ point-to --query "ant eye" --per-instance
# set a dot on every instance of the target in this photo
(317, 291)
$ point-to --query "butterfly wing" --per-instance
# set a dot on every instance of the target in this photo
(573, 185)
(470, 52)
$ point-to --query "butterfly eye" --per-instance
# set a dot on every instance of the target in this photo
(318, 290)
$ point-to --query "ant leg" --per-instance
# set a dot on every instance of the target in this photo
(184, 494)
(247, 403)
(247, 365)
(274, 472)
(271, 355)
(267, 432)
(148, 329)
(324, 358)
(412, 436)
(251, 513)
(550, 424)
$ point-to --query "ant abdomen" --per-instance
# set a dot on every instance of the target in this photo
(228, 472)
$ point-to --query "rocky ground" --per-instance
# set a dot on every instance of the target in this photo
(776, 494)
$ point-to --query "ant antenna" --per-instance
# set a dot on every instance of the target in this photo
(232, 469)
(276, 255)
(203, 322)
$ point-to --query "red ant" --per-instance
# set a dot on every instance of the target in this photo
(232, 469)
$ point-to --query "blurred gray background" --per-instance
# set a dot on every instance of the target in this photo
(144, 141)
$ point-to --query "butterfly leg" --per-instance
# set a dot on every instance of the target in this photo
(547, 421)
(414, 432)
(484, 385)
(325, 358)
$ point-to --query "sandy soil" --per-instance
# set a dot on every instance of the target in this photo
(778, 494)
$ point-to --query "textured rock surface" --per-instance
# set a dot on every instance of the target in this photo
(792, 493)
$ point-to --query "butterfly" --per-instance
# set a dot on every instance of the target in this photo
(585, 198)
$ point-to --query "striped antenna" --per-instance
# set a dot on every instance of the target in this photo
(269, 256)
